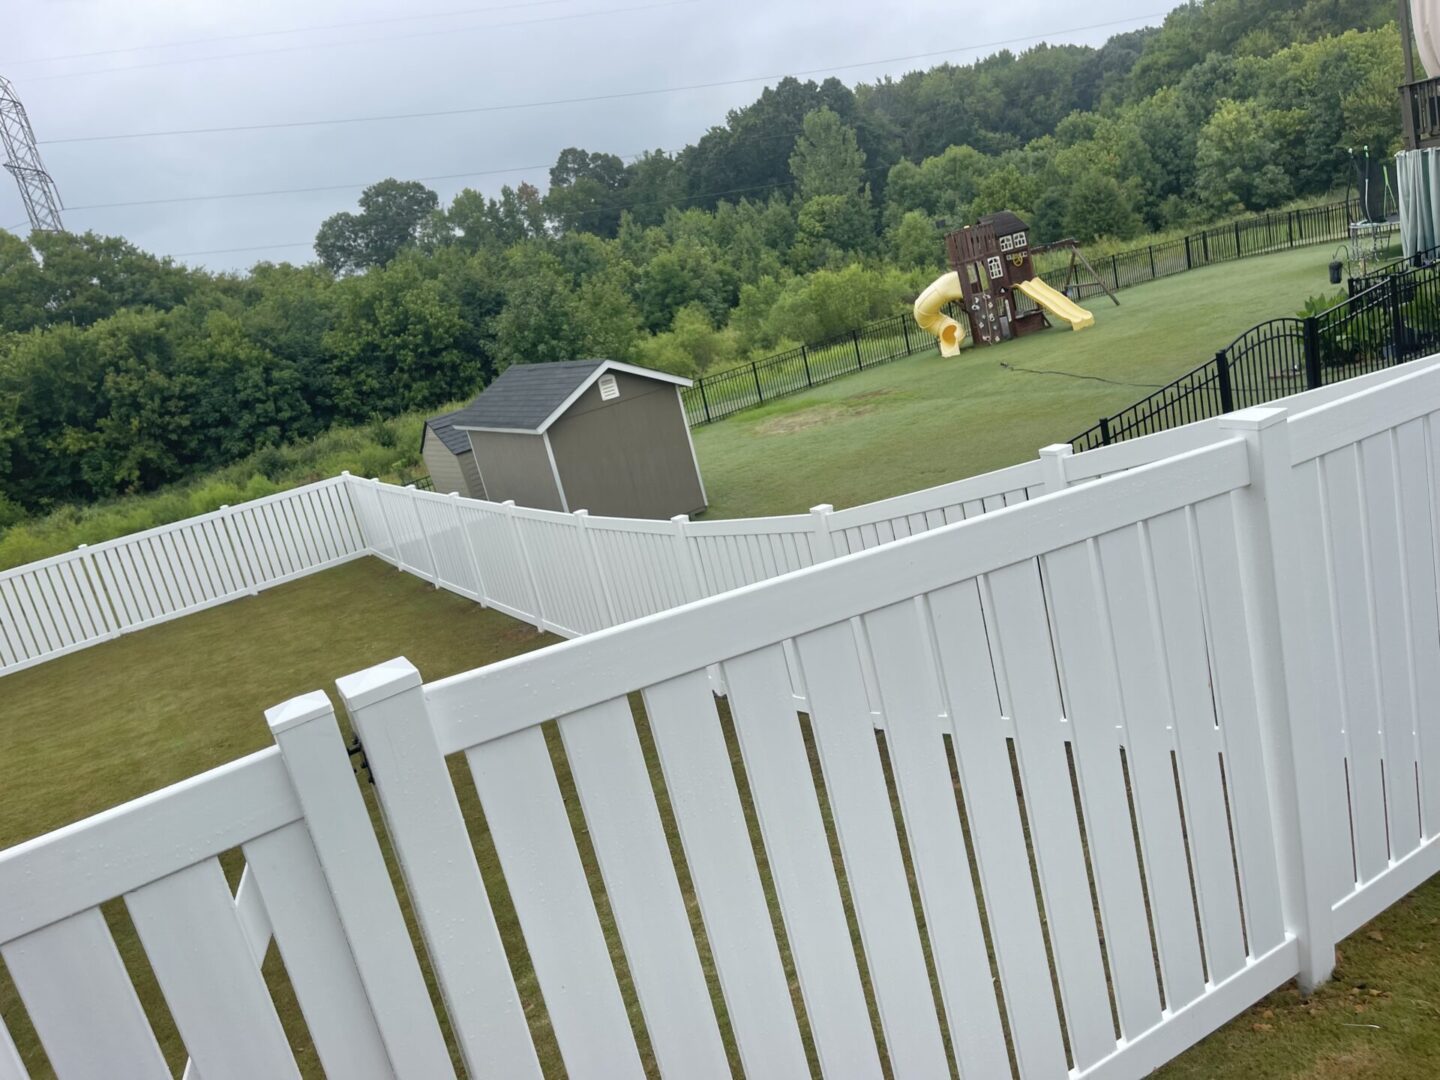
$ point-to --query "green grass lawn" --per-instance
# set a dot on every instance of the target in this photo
(924, 420)
(109, 723)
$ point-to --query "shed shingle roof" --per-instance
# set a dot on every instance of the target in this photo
(525, 395)
(457, 442)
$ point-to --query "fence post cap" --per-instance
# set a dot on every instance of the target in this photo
(508, 502)
(1255, 418)
(344, 472)
(375, 684)
(1060, 449)
(409, 487)
(680, 519)
(580, 513)
(452, 494)
(823, 508)
(298, 710)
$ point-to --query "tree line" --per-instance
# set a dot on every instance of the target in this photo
(814, 209)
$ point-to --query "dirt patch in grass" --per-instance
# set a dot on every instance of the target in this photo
(816, 415)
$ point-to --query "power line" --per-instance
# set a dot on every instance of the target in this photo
(631, 155)
(620, 95)
(311, 46)
(228, 251)
(278, 33)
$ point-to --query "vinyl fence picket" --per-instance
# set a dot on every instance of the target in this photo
(1021, 643)
(70, 972)
(526, 815)
(712, 827)
(860, 803)
(909, 693)
(799, 854)
(203, 964)
(624, 824)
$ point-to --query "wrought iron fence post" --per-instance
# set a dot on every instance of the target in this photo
(1104, 431)
(1311, 338)
(1290, 225)
(855, 337)
(1115, 271)
(1187, 253)
(704, 401)
(1152, 262)
(805, 359)
(1397, 319)
(755, 371)
(1227, 394)
(905, 329)
(1237, 239)
(1205, 246)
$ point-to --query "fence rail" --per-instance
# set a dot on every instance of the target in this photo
(1395, 318)
(716, 396)
(1195, 681)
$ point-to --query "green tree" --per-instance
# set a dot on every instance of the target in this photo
(1096, 206)
(395, 344)
(915, 242)
(392, 214)
(831, 229)
(1238, 158)
(826, 160)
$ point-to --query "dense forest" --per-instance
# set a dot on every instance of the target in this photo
(815, 208)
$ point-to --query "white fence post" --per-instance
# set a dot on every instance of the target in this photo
(822, 544)
(424, 534)
(315, 756)
(481, 594)
(538, 616)
(604, 603)
(389, 529)
(352, 500)
(1274, 553)
(1052, 466)
(386, 704)
(685, 558)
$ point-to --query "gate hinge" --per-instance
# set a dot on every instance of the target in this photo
(360, 762)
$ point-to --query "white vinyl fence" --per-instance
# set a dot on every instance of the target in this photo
(1196, 703)
(93, 594)
(1183, 721)
(572, 574)
(314, 878)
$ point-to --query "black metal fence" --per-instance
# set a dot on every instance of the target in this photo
(1259, 235)
(879, 342)
(725, 392)
(1393, 320)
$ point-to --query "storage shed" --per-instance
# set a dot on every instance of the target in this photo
(449, 459)
(598, 435)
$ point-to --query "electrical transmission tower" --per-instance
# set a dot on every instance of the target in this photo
(22, 161)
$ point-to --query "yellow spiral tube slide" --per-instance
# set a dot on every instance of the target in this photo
(930, 318)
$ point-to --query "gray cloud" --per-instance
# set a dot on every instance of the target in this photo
(458, 61)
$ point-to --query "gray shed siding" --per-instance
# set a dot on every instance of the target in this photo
(629, 457)
(451, 472)
(515, 466)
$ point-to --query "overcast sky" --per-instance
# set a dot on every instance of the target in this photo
(155, 65)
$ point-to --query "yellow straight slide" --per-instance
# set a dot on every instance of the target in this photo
(1057, 303)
